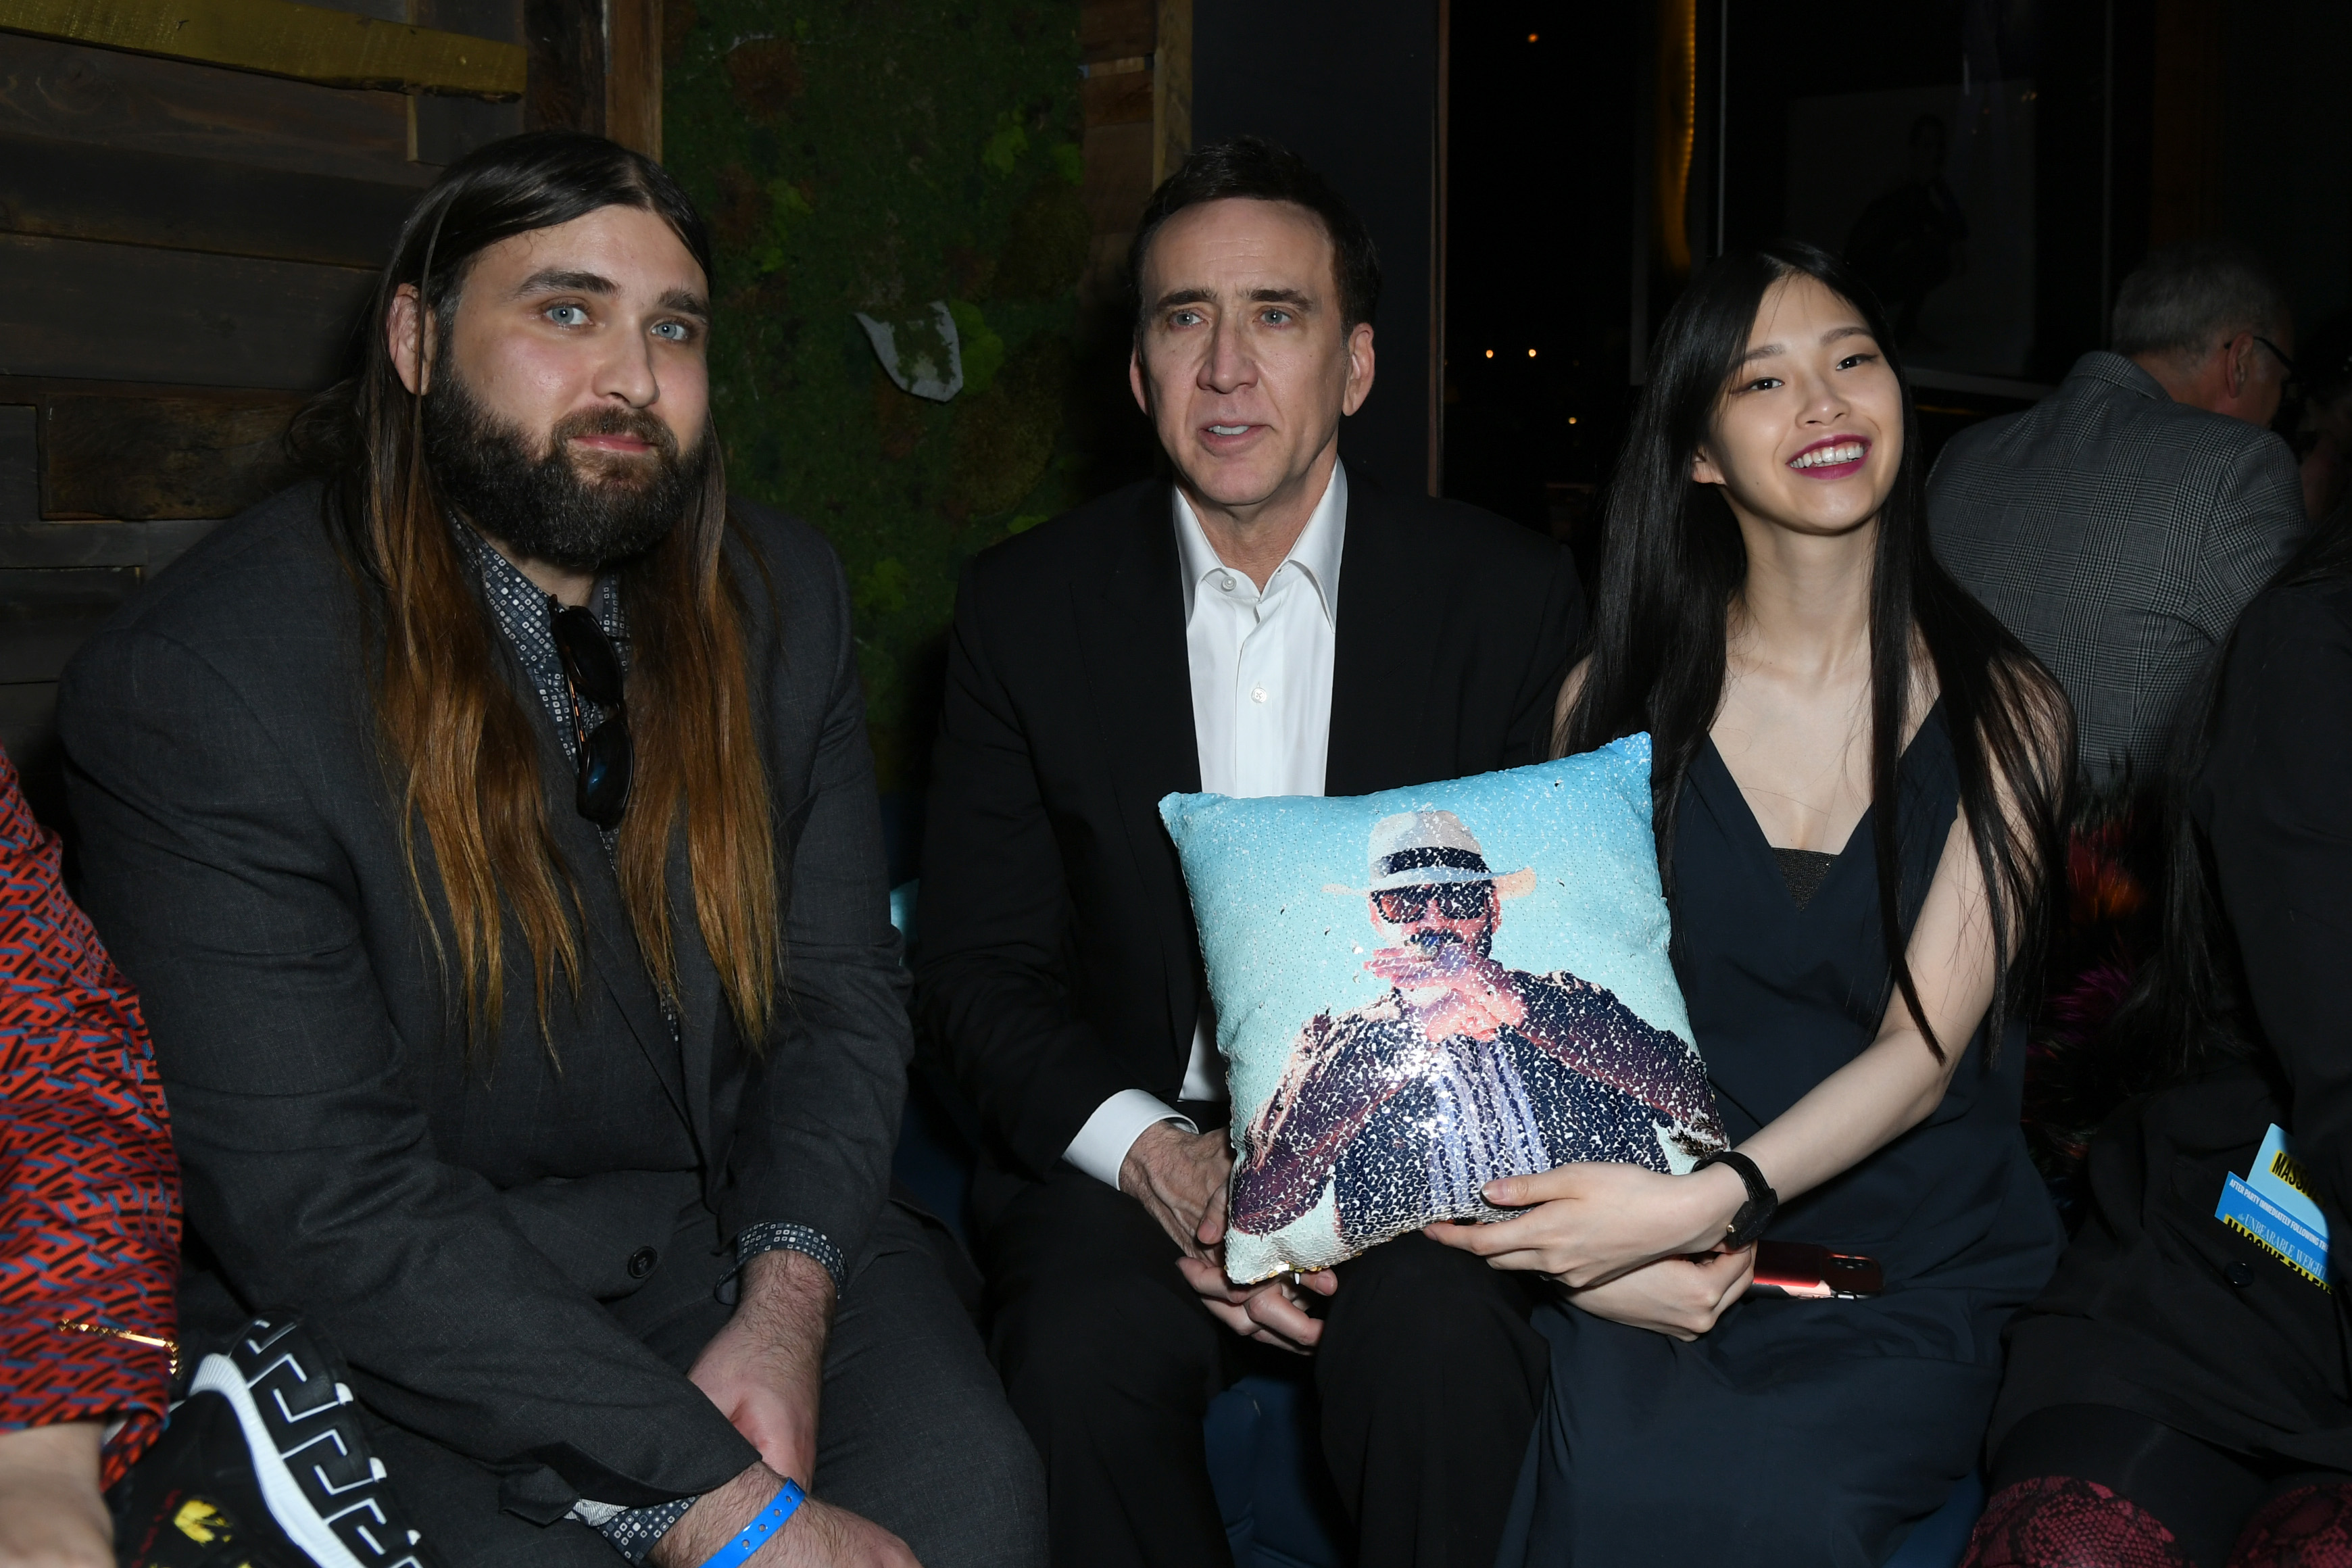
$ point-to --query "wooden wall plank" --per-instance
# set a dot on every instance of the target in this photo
(71, 307)
(161, 458)
(1115, 97)
(1117, 168)
(1172, 88)
(70, 189)
(20, 465)
(278, 38)
(140, 105)
(443, 130)
(633, 74)
(566, 39)
(1113, 29)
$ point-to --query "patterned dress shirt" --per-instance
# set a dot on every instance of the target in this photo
(526, 616)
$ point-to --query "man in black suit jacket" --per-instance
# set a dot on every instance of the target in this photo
(1119, 653)
(553, 1080)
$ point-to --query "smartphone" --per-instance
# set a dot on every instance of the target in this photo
(1801, 1269)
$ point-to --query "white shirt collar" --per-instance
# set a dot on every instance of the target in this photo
(1315, 551)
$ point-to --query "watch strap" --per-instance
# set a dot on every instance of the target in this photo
(1762, 1202)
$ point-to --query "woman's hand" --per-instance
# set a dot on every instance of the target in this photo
(52, 1515)
(1591, 1222)
(1681, 1296)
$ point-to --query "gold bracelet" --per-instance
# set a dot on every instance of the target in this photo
(169, 1347)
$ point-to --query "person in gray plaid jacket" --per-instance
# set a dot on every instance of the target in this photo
(2117, 527)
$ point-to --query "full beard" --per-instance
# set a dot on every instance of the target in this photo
(582, 515)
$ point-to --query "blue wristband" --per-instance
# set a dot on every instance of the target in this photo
(764, 1525)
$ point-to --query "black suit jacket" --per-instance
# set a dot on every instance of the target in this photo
(1058, 964)
(463, 1235)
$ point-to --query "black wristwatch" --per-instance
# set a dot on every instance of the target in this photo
(1762, 1202)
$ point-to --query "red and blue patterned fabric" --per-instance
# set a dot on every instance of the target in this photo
(89, 1194)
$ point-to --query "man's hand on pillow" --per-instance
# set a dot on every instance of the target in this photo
(1272, 1312)
(1592, 1221)
(1681, 1296)
(51, 1515)
(1473, 994)
(1179, 1177)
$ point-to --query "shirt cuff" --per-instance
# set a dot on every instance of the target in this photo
(1100, 1148)
(774, 1236)
(632, 1532)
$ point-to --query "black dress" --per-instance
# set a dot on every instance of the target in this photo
(1800, 1432)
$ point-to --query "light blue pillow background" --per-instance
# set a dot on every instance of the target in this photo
(1279, 949)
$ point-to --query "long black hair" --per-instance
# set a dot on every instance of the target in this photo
(2187, 1009)
(1673, 561)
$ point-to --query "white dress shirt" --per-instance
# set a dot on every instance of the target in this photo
(1261, 666)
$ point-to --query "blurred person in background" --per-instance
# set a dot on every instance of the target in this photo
(2118, 526)
(2179, 1396)
(2323, 429)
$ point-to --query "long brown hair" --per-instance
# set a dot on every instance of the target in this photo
(458, 745)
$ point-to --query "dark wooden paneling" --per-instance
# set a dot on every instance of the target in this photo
(49, 613)
(282, 39)
(445, 129)
(1120, 98)
(633, 74)
(566, 39)
(20, 466)
(1118, 165)
(160, 457)
(75, 191)
(137, 104)
(70, 307)
(1116, 30)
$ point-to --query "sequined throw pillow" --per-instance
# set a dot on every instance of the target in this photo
(1418, 991)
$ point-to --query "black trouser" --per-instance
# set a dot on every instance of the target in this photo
(1428, 1373)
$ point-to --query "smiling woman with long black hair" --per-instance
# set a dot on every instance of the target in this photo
(1857, 787)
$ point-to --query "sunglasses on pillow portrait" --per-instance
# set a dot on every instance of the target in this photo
(1455, 901)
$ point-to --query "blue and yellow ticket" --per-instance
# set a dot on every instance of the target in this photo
(2271, 1207)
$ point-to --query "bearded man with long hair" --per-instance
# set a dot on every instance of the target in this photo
(490, 827)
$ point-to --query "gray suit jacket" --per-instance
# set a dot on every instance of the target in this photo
(465, 1235)
(2117, 533)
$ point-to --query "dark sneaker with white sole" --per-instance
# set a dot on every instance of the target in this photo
(265, 1463)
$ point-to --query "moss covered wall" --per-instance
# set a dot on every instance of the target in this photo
(874, 156)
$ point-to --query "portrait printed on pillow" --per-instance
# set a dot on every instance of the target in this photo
(1466, 1014)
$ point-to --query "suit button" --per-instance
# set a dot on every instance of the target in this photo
(2238, 1274)
(642, 1261)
